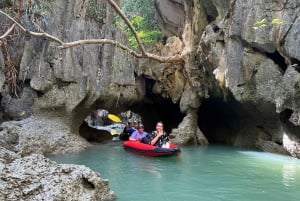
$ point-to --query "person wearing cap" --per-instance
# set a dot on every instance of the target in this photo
(138, 134)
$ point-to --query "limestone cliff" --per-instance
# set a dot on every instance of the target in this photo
(244, 72)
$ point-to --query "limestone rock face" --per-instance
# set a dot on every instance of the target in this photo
(185, 134)
(44, 135)
(7, 156)
(247, 52)
(18, 108)
(76, 78)
(243, 51)
(171, 16)
(38, 178)
(232, 50)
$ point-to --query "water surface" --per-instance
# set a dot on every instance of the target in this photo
(200, 173)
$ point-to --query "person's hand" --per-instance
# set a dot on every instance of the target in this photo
(160, 134)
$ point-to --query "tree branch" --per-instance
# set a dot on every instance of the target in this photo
(162, 59)
(122, 15)
(12, 19)
(36, 34)
(8, 31)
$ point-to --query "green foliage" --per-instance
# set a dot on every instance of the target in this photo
(262, 23)
(7, 3)
(95, 12)
(150, 37)
(137, 21)
(141, 15)
(277, 21)
(147, 36)
(143, 8)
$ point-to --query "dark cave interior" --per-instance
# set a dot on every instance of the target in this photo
(218, 120)
(160, 110)
(163, 110)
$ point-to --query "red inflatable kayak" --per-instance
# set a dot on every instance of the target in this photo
(149, 150)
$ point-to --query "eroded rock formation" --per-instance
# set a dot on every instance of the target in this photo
(228, 56)
(238, 84)
(37, 178)
(233, 58)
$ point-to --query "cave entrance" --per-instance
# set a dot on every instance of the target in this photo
(220, 121)
(148, 112)
(159, 110)
(101, 125)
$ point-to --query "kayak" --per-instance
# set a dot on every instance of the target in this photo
(140, 148)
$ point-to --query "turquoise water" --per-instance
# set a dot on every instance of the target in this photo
(200, 173)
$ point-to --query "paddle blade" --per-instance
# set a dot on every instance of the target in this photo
(114, 118)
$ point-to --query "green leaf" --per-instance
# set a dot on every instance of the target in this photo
(259, 23)
(277, 21)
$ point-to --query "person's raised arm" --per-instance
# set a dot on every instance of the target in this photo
(156, 138)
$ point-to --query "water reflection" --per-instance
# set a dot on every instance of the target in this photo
(289, 171)
(151, 169)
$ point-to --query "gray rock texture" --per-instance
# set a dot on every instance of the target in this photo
(237, 51)
(238, 84)
(38, 178)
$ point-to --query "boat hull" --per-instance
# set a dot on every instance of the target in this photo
(149, 150)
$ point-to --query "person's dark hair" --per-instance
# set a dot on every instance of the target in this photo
(160, 122)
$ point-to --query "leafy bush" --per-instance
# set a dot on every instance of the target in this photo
(141, 15)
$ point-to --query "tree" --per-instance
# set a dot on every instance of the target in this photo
(142, 8)
(140, 13)
(63, 45)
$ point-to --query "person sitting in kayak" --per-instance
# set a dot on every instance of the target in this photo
(132, 127)
(138, 134)
(127, 131)
(158, 137)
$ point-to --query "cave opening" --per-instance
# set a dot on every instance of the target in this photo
(211, 11)
(163, 110)
(150, 113)
(220, 121)
(151, 109)
(296, 64)
(278, 59)
(154, 108)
